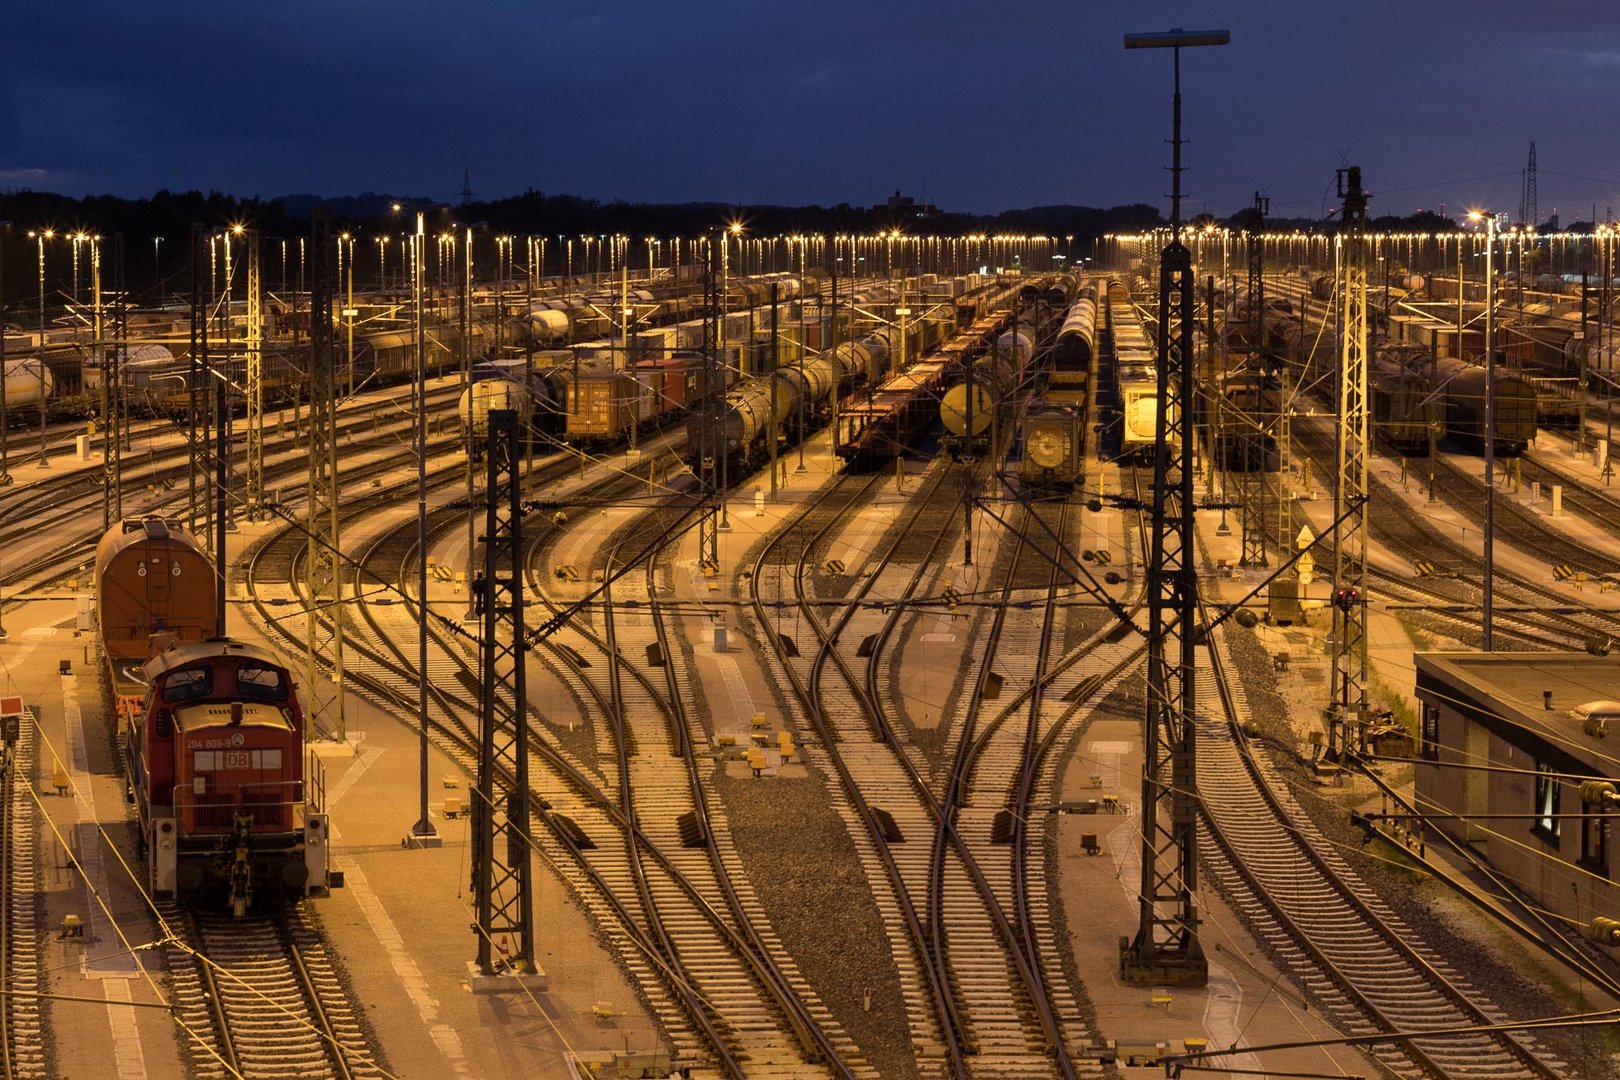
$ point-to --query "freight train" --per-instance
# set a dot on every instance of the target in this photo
(1251, 399)
(157, 377)
(798, 398)
(1405, 410)
(1430, 373)
(156, 369)
(211, 732)
(1463, 384)
(1054, 425)
(987, 387)
(991, 384)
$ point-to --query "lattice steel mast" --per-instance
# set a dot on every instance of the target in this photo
(712, 447)
(1349, 680)
(1256, 423)
(108, 419)
(112, 368)
(1530, 211)
(323, 565)
(500, 810)
(1166, 947)
(198, 519)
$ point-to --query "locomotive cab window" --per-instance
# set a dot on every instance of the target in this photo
(188, 684)
(259, 681)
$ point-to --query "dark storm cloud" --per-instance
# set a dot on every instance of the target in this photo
(977, 106)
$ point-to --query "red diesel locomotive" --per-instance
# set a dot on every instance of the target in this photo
(211, 731)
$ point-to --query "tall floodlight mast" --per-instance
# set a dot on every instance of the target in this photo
(1166, 949)
(322, 561)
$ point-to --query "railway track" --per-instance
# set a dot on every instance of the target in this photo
(1328, 929)
(1527, 613)
(921, 990)
(978, 805)
(58, 509)
(999, 1021)
(23, 1052)
(579, 808)
(261, 998)
(770, 1011)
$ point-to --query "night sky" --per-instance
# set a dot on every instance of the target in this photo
(970, 105)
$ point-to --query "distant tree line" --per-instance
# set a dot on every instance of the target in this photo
(155, 229)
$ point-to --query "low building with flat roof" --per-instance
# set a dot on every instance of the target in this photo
(1506, 741)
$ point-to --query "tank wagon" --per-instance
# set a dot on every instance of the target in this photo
(985, 386)
(877, 428)
(535, 392)
(993, 380)
(211, 732)
(1054, 426)
(796, 398)
(1075, 349)
(23, 386)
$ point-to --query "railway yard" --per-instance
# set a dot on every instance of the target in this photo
(823, 606)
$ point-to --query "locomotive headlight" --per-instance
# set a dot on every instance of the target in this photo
(1046, 446)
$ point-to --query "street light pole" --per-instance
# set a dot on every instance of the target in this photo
(423, 833)
(1489, 419)
(42, 237)
(5, 473)
(5, 427)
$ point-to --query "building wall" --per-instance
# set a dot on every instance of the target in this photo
(1549, 869)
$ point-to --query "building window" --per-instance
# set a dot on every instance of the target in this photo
(1546, 801)
(1595, 841)
(1429, 746)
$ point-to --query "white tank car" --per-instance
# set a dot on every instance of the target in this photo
(508, 384)
(23, 386)
(479, 399)
(543, 326)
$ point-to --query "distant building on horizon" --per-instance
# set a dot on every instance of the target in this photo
(904, 208)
